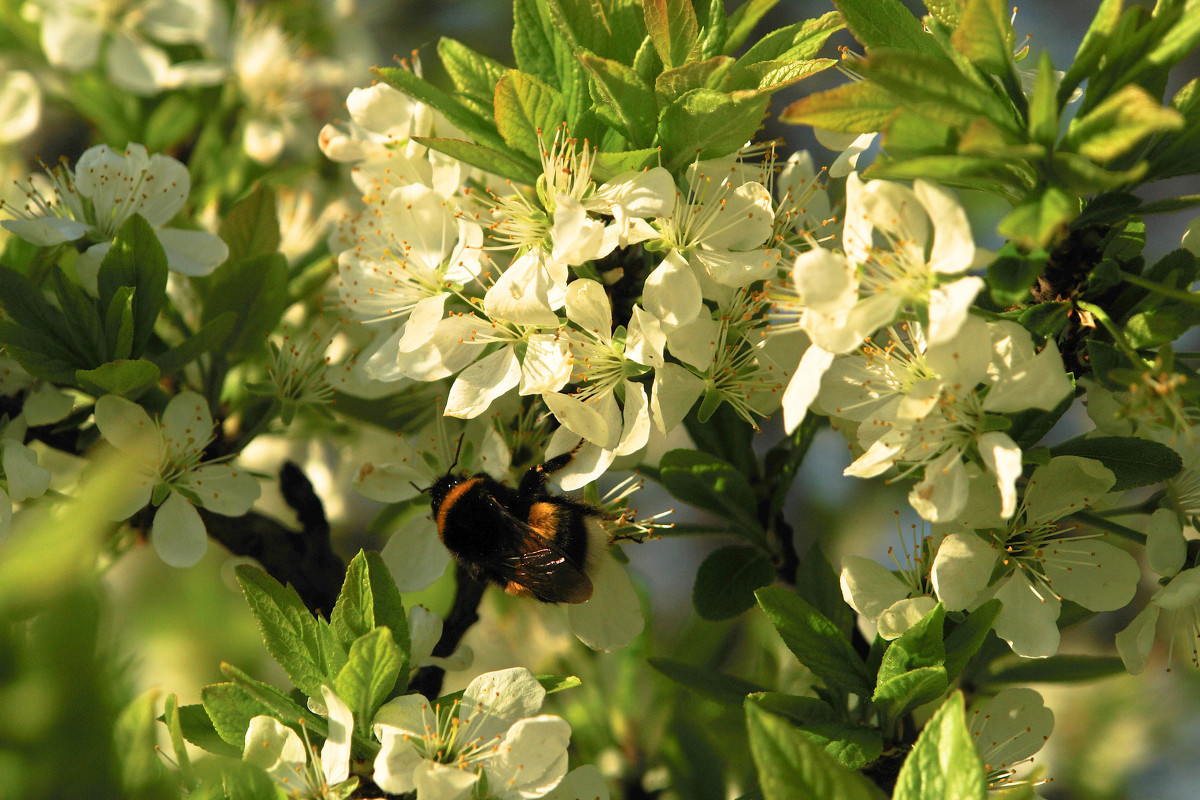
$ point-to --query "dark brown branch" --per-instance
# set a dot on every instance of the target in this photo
(463, 614)
(303, 558)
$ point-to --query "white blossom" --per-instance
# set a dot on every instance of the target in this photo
(441, 752)
(104, 191)
(1032, 561)
(1008, 730)
(932, 406)
(130, 34)
(279, 750)
(170, 472)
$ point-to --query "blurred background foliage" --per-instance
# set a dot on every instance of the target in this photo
(76, 652)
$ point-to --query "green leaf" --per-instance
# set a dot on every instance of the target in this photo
(918, 647)
(1135, 462)
(1012, 273)
(628, 101)
(482, 130)
(929, 86)
(255, 290)
(818, 583)
(900, 694)
(118, 324)
(532, 39)
(136, 259)
(1091, 49)
(84, 328)
(1046, 319)
(968, 636)
(946, 12)
(985, 35)
(673, 83)
(526, 107)
(797, 42)
(944, 764)
(369, 675)
(128, 378)
(171, 719)
(771, 76)
(282, 706)
(230, 708)
(673, 28)
(815, 641)
(197, 727)
(792, 767)
(210, 336)
(726, 581)
(707, 482)
(302, 644)
(705, 123)
(1041, 219)
(857, 107)
(706, 682)
(516, 168)
(1119, 123)
(474, 74)
(853, 746)
(172, 120)
(1043, 106)
(1058, 669)
(742, 21)
(609, 164)
(887, 24)
(135, 741)
(251, 228)
(369, 599)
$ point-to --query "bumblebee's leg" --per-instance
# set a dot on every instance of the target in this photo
(533, 482)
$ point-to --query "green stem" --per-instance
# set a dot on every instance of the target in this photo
(1166, 291)
(1100, 314)
(1110, 527)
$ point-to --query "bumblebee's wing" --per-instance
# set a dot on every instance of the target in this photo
(540, 566)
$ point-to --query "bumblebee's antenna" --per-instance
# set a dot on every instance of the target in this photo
(457, 450)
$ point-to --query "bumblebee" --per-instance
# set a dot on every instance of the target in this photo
(527, 541)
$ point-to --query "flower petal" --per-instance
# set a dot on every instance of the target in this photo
(443, 782)
(804, 385)
(274, 747)
(1166, 549)
(547, 364)
(612, 618)
(532, 759)
(192, 253)
(581, 783)
(335, 753)
(505, 695)
(1064, 485)
(415, 555)
(869, 587)
(961, 569)
(1010, 727)
(671, 291)
(522, 294)
(397, 761)
(1135, 642)
(1027, 619)
(1092, 573)
(482, 382)
(178, 533)
(1002, 457)
(897, 618)
(26, 479)
(224, 489)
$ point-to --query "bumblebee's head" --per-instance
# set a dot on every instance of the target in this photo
(441, 487)
(438, 489)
